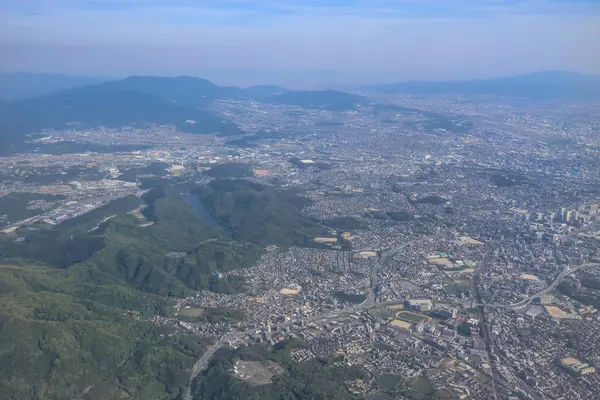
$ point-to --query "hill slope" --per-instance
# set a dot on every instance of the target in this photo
(182, 90)
(60, 340)
(75, 302)
(135, 100)
(140, 100)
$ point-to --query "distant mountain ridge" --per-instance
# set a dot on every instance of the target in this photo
(141, 100)
(541, 85)
(183, 90)
(132, 101)
(333, 100)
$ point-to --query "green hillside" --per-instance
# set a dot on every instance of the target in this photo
(261, 214)
(60, 339)
(76, 299)
(75, 304)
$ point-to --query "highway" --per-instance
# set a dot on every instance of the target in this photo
(520, 304)
(525, 302)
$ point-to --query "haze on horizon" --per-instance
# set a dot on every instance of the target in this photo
(300, 42)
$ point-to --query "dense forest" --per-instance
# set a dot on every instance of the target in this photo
(76, 298)
(63, 337)
(260, 214)
(230, 170)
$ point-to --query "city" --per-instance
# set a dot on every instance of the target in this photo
(460, 252)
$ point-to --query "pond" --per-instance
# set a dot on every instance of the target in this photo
(201, 210)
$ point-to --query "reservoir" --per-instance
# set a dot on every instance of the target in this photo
(194, 201)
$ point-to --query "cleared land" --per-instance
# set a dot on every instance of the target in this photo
(397, 307)
(289, 292)
(325, 240)
(401, 324)
(470, 240)
(443, 261)
(191, 312)
(257, 372)
(555, 312)
(529, 277)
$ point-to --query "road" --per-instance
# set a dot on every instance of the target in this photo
(385, 255)
(370, 302)
(515, 306)
(481, 267)
(523, 303)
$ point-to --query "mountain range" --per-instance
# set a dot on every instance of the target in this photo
(138, 100)
(541, 86)
(183, 101)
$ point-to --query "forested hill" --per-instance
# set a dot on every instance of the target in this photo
(113, 104)
(76, 301)
(141, 100)
(77, 298)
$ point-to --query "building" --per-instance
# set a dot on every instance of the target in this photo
(420, 305)
(576, 367)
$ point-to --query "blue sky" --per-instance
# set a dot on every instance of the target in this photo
(300, 42)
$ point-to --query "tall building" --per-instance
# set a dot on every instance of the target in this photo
(540, 216)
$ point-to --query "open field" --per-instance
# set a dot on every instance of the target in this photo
(325, 240)
(463, 285)
(401, 324)
(470, 240)
(529, 277)
(397, 307)
(409, 316)
(257, 372)
(555, 312)
(455, 287)
(383, 312)
(422, 387)
(191, 312)
(262, 172)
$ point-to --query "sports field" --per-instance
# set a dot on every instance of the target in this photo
(412, 317)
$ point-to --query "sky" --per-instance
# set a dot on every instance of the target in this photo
(300, 42)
